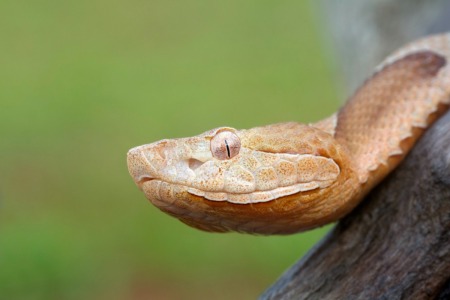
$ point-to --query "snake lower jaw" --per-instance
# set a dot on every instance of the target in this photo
(299, 210)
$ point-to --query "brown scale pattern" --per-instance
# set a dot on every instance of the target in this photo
(387, 108)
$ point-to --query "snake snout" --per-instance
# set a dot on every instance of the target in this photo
(139, 167)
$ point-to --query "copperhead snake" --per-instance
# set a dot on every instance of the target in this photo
(290, 177)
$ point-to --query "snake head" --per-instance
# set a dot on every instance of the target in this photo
(289, 177)
(251, 180)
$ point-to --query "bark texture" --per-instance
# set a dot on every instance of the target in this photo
(395, 245)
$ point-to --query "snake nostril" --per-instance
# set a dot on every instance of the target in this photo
(194, 163)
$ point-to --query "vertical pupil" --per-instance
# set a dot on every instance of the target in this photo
(228, 148)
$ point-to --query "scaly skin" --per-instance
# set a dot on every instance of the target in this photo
(290, 177)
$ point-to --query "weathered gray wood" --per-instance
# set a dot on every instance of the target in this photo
(395, 245)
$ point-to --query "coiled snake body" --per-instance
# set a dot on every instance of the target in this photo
(290, 177)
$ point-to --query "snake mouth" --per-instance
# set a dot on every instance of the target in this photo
(142, 180)
(261, 196)
(160, 187)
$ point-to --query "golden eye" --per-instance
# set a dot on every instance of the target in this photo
(225, 145)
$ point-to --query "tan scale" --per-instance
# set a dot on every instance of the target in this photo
(290, 177)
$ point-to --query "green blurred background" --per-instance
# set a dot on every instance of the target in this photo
(81, 82)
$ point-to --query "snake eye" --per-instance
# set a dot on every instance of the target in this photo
(225, 145)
